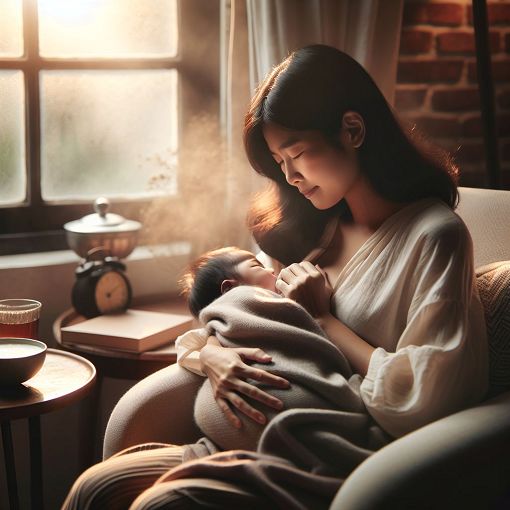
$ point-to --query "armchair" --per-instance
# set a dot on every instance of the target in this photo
(461, 461)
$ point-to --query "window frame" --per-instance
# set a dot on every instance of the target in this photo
(36, 225)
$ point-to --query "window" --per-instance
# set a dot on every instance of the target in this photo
(94, 95)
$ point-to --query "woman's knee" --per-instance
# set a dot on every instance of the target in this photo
(158, 408)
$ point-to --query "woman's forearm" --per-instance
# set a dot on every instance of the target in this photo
(355, 349)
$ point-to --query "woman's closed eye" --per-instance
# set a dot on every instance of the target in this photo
(282, 161)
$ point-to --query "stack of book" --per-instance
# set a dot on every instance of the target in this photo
(132, 330)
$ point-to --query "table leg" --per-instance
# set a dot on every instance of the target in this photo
(10, 467)
(36, 486)
(89, 426)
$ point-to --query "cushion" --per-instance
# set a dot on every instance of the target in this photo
(493, 282)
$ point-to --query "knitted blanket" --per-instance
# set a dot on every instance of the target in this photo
(305, 451)
(317, 370)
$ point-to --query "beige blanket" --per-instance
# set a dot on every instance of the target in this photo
(305, 451)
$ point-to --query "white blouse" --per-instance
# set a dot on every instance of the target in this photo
(410, 292)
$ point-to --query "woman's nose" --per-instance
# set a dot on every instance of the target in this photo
(291, 175)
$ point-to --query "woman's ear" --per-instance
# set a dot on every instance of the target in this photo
(353, 126)
(227, 285)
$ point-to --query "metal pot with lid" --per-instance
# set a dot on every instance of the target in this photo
(102, 229)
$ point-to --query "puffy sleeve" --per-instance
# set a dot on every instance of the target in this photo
(440, 364)
(188, 348)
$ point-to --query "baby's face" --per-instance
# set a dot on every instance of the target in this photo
(252, 272)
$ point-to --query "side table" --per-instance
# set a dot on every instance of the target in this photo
(64, 379)
(119, 364)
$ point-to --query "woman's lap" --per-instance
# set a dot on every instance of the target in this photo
(194, 493)
(117, 481)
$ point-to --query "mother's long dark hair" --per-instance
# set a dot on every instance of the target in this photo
(311, 90)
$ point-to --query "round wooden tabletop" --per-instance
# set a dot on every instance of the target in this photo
(64, 378)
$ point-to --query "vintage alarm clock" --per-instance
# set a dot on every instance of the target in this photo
(101, 287)
(101, 239)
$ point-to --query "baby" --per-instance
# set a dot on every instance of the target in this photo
(218, 271)
(210, 276)
(234, 296)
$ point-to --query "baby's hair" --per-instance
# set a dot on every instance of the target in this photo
(201, 284)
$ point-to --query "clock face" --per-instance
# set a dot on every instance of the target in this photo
(112, 292)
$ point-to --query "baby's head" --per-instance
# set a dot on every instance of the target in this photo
(218, 271)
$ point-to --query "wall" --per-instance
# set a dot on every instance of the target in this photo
(437, 87)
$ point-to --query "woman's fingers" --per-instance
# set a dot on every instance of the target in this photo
(236, 400)
(265, 377)
(310, 268)
(246, 371)
(231, 417)
(257, 394)
(290, 273)
(253, 354)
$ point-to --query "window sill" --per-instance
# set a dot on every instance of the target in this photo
(64, 257)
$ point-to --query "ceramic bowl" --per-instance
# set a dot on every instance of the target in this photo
(20, 359)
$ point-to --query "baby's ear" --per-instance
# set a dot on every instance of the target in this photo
(227, 285)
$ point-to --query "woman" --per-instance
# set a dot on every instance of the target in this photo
(374, 209)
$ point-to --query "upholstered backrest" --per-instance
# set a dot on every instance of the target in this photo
(486, 213)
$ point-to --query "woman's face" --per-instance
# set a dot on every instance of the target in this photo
(323, 173)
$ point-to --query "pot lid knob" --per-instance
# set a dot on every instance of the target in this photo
(101, 206)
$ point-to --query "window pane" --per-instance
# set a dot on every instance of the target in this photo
(108, 133)
(107, 28)
(11, 38)
(12, 138)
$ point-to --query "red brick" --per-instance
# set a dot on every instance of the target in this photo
(447, 71)
(472, 127)
(464, 42)
(497, 13)
(470, 153)
(448, 14)
(504, 99)
(409, 99)
(415, 41)
(437, 127)
(500, 71)
(455, 99)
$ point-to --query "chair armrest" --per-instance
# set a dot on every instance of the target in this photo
(461, 461)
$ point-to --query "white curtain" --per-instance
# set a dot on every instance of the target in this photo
(368, 30)
(258, 34)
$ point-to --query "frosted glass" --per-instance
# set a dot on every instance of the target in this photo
(107, 28)
(108, 133)
(11, 37)
(12, 138)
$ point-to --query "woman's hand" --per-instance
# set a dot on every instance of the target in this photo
(308, 285)
(227, 372)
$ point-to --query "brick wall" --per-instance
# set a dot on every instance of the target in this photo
(436, 83)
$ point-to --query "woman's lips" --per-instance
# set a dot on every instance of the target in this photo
(310, 192)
